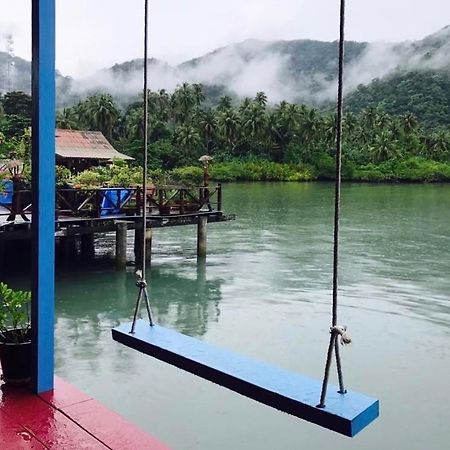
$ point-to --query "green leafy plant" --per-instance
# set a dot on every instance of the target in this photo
(14, 315)
(62, 175)
(117, 174)
(187, 176)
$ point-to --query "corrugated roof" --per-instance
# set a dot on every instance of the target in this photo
(86, 145)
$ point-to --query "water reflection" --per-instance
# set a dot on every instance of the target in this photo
(268, 280)
(98, 300)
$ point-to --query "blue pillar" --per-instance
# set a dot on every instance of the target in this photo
(43, 186)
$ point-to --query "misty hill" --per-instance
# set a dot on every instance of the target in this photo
(403, 77)
(19, 75)
(426, 94)
(19, 78)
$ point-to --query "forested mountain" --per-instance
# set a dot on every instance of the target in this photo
(19, 77)
(408, 77)
(20, 74)
(426, 94)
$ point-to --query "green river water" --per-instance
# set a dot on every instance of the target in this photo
(265, 292)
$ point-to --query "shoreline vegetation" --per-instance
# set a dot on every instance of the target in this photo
(249, 139)
(412, 170)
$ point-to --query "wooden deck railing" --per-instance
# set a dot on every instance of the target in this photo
(104, 202)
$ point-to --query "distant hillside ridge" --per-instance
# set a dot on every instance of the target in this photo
(400, 77)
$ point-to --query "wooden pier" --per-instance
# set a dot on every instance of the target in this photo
(65, 418)
(82, 213)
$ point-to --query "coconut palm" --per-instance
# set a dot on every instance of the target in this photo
(254, 121)
(261, 98)
(224, 103)
(229, 122)
(198, 95)
(188, 139)
(208, 128)
(410, 123)
(99, 112)
(67, 119)
(183, 102)
(384, 147)
(309, 126)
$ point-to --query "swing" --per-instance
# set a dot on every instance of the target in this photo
(345, 412)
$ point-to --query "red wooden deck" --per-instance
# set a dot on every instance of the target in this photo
(65, 419)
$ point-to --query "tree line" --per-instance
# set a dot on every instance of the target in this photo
(182, 128)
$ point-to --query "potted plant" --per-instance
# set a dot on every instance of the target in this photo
(15, 335)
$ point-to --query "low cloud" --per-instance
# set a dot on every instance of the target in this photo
(252, 66)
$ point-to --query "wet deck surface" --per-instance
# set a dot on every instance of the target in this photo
(65, 419)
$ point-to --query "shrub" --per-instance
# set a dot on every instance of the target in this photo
(187, 176)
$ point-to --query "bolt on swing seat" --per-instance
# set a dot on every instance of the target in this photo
(292, 393)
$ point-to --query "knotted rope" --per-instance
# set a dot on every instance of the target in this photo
(335, 329)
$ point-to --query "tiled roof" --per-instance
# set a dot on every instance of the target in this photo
(85, 145)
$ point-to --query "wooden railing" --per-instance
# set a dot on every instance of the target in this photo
(104, 202)
(184, 200)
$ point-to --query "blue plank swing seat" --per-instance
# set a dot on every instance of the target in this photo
(345, 412)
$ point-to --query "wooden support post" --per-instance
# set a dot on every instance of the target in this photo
(87, 247)
(69, 247)
(121, 245)
(148, 245)
(182, 200)
(202, 228)
(138, 246)
(219, 197)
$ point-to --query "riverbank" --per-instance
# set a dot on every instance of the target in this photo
(414, 169)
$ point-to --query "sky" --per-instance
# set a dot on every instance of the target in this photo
(92, 34)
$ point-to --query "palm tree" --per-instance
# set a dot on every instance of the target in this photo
(350, 126)
(188, 139)
(198, 95)
(309, 126)
(245, 104)
(99, 112)
(66, 119)
(261, 98)
(438, 145)
(229, 123)
(182, 102)
(208, 128)
(134, 124)
(224, 103)
(254, 121)
(384, 147)
(410, 123)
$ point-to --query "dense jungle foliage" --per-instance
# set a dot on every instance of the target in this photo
(249, 140)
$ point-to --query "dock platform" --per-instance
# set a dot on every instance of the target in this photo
(65, 419)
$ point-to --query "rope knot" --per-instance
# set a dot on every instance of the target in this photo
(140, 283)
(344, 337)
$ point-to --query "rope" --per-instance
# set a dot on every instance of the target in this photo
(336, 330)
(140, 274)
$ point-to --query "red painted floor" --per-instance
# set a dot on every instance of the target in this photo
(65, 419)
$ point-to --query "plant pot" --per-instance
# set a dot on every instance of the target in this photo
(15, 359)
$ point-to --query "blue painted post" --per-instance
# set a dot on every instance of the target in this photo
(43, 186)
